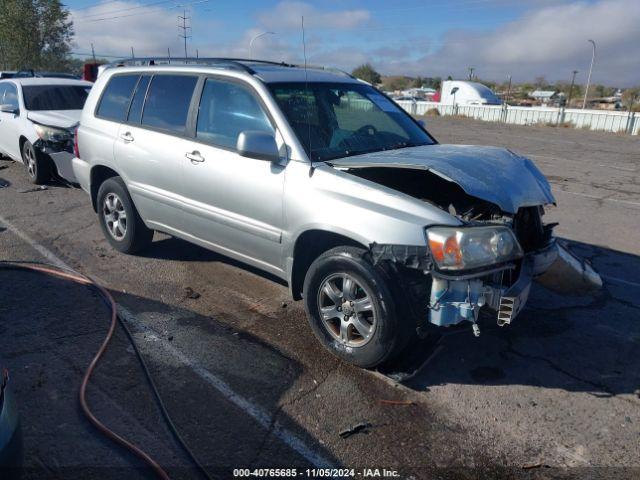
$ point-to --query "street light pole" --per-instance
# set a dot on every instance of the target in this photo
(593, 57)
(254, 39)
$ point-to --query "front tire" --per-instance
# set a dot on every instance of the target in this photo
(38, 168)
(351, 309)
(120, 221)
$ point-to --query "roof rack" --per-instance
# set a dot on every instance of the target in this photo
(235, 63)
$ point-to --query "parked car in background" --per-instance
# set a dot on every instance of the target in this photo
(7, 74)
(11, 454)
(34, 74)
(408, 98)
(37, 120)
(321, 180)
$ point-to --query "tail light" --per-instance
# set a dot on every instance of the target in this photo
(76, 150)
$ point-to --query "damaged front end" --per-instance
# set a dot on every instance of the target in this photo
(484, 265)
(57, 144)
(449, 296)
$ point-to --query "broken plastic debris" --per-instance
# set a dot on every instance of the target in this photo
(191, 293)
(37, 189)
(569, 274)
(396, 402)
(359, 428)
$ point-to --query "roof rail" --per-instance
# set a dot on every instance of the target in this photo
(236, 63)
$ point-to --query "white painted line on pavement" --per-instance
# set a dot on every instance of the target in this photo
(46, 253)
(618, 167)
(603, 199)
(261, 416)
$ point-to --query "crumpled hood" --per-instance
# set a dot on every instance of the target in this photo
(493, 174)
(56, 118)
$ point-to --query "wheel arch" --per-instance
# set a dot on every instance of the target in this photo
(308, 246)
(98, 175)
(21, 141)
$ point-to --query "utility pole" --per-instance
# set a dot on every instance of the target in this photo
(93, 53)
(133, 55)
(593, 57)
(169, 54)
(508, 90)
(573, 81)
(471, 69)
(185, 28)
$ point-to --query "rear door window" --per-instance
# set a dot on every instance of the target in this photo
(116, 97)
(168, 100)
(226, 110)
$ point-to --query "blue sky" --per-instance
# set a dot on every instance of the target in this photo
(526, 39)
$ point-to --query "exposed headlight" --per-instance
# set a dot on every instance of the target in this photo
(53, 134)
(466, 248)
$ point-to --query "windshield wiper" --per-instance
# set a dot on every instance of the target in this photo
(395, 146)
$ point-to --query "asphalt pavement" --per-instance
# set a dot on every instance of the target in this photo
(555, 394)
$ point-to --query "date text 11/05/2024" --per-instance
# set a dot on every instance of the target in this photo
(316, 473)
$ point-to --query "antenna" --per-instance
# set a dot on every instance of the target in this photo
(306, 88)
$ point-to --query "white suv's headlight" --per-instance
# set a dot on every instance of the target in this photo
(53, 134)
(466, 248)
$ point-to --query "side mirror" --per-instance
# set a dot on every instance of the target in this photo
(258, 144)
(6, 108)
(454, 90)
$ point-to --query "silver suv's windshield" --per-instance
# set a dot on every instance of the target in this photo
(334, 120)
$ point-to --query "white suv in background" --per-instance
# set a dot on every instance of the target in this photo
(38, 117)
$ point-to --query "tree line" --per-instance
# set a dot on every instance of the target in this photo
(35, 34)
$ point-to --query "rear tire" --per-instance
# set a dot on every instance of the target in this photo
(37, 165)
(351, 309)
(120, 221)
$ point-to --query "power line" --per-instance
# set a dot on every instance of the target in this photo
(98, 4)
(150, 10)
(111, 12)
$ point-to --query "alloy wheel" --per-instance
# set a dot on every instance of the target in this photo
(346, 310)
(30, 157)
(115, 216)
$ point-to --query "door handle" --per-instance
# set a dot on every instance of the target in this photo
(127, 137)
(194, 156)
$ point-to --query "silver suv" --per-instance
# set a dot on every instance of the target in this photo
(322, 180)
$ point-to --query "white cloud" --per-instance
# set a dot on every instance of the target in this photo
(287, 16)
(550, 41)
(150, 30)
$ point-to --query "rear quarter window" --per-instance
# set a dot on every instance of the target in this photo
(116, 97)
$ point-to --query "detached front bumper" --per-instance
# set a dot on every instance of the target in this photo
(62, 156)
(454, 301)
